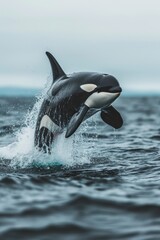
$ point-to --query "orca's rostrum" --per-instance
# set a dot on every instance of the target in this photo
(72, 99)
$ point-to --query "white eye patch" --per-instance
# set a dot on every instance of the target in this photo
(88, 87)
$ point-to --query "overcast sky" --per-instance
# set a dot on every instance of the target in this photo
(120, 37)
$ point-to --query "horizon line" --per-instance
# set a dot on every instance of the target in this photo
(33, 91)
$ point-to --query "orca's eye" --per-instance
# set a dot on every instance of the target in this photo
(89, 87)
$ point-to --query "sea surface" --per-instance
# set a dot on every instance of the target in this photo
(99, 184)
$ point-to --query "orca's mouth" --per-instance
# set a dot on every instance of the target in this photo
(116, 89)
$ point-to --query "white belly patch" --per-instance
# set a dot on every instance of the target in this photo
(101, 99)
(48, 123)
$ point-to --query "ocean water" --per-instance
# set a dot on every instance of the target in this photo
(99, 184)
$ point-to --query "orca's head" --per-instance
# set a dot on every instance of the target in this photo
(102, 91)
(96, 91)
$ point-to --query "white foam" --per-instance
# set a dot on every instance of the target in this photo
(23, 154)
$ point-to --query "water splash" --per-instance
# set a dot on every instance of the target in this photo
(23, 154)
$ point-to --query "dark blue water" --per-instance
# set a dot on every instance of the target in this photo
(99, 184)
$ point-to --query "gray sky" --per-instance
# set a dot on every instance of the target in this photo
(120, 37)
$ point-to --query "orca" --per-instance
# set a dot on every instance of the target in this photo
(71, 99)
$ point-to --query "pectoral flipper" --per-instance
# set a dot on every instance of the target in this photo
(112, 117)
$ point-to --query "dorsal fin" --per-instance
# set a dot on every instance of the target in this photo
(57, 71)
